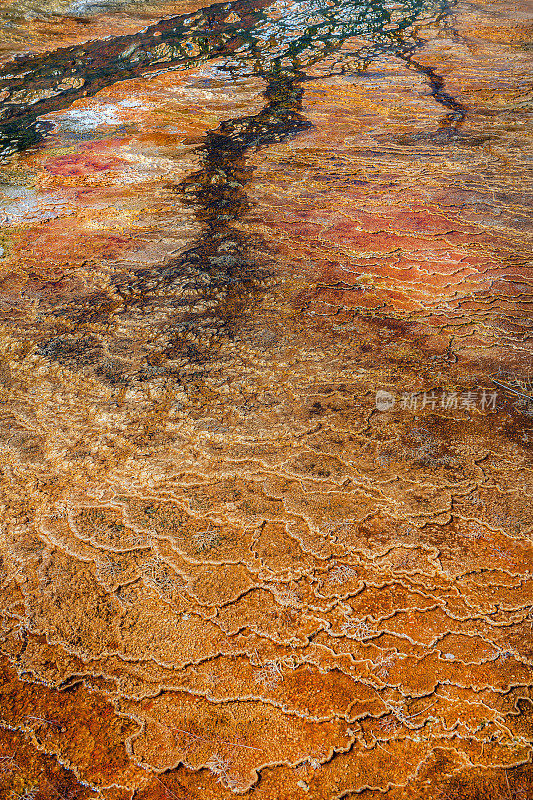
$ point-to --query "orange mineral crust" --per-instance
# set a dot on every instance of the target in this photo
(266, 384)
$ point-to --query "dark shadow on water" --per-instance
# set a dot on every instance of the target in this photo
(244, 32)
(202, 295)
(172, 320)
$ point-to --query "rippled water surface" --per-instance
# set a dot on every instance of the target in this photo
(266, 419)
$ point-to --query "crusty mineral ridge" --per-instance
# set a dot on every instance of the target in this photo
(265, 361)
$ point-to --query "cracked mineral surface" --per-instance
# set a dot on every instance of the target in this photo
(266, 378)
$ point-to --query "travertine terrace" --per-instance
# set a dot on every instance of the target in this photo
(265, 428)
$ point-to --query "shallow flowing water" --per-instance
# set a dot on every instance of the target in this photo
(267, 400)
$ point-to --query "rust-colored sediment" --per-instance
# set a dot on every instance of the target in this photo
(226, 570)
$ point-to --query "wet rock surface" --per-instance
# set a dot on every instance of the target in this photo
(266, 421)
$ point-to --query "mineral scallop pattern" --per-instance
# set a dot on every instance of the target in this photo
(266, 400)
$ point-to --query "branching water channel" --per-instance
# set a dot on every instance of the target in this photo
(275, 42)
